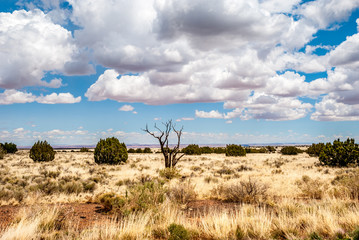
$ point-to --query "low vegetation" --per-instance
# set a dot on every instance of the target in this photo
(84, 149)
(235, 150)
(139, 197)
(212, 196)
(340, 154)
(139, 150)
(42, 151)
(2, 152)
(9, 147)
(271, 149)
(192, 149)
(256, 150)
(290, 150)
(245, 191)
(315, 149)
(110, 151)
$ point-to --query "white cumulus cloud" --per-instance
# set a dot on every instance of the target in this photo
(12, 96)
(211, 114)
(126, 108)
(55, 98)
(32, 45)
(244, 54)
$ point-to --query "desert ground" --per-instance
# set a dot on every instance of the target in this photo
(210, 196)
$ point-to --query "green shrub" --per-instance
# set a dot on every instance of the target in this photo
(192, 149)
(111, 201)
(206, 150)
(131, 150)
(41, 151)
(139, 150)
(139, 197)
(110, 151)
(147, 150)
(340, 154)
(355, 234)
(9, 147)
(219, 150)
(271, 149)
(290, 150)
(235, 150)
(256, 150)
(178, 232)
(84, 149)
(315, 149)
(2, 152)
(144, 196)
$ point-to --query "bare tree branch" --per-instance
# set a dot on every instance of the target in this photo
(169, 154)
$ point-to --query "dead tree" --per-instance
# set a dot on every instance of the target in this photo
(170, 154)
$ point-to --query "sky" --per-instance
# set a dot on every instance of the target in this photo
(228, 71)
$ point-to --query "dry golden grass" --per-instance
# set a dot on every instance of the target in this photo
(300, 198)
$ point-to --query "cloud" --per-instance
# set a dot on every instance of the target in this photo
(206, 51)
(269, 107)
(322, 13)
(240, 53)
(18, 130)
(344, 54)
(279, 6)
(211, 114)
(13, 96)
(341, 87)
(139, 89)
(126, 108)
(54, 98)
(262, 106)
(184, 119)
(330, 109)
(55, 132)
(52, 7)
(289, 84)
(32, 45)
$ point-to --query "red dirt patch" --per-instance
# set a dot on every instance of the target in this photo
(84, 214)
(7, 214)
(81, 215)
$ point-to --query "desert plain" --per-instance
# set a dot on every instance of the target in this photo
(209, 196)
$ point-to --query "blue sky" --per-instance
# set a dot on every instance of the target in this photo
(275, 71)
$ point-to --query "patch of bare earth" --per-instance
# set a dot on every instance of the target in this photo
(84, 215)
(81, 215)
